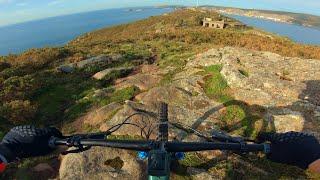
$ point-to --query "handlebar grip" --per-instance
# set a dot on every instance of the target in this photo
(205, 146)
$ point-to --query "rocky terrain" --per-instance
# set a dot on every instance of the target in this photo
(285, 90)
(242, 81)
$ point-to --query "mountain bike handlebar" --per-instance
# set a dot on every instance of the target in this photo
(160, 151)
(141, 145)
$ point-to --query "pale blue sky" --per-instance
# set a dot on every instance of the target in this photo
(14, 11)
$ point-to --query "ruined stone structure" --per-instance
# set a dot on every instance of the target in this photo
(208, 22)
(221, 24)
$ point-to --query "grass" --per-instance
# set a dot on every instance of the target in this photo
(63, 98)
(168, 78)
(237, 117)
(216, 86)
(120, 95)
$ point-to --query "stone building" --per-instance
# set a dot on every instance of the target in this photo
(208, 22)
(221, 24)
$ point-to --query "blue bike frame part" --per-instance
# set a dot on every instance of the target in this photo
(142, 155)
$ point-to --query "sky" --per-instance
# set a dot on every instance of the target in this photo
(16, 11)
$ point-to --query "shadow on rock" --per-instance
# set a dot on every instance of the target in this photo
(302, 115)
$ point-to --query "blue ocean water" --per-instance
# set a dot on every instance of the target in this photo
(57, 31)
(301, 34)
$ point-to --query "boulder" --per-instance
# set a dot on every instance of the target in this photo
(93, 60)
(101, 163)
(286, 121)
(66, 68)
(101, 59)
(234, 78)
(100, 75)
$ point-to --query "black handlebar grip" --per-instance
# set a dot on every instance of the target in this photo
(163, 117)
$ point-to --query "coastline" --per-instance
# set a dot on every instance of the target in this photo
(306, 20)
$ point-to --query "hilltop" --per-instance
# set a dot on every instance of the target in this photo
(240, 80)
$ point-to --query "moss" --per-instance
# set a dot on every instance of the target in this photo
(89, 128)
(120, 95)
(116, 163)
(237, 117)
(216, 87)
(113, 113)
(195, 93)
(192, 160)
(285, 72)
(233, 113)
(168, 78)
(113, 75)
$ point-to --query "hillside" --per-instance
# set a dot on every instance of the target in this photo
(240, 80)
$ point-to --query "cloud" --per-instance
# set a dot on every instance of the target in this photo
(52, 3)
(21, 4)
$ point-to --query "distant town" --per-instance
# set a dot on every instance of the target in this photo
(257, 14)
(277, 16)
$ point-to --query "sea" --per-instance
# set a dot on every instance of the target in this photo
(298, 33)
(57, 31)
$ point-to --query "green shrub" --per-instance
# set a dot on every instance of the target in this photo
(18, 88)
(4, 65)
(18, 111)
(121, 95)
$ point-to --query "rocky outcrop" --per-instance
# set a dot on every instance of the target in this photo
(284, 90)
(66, 68)
(98, 60)
(93, 60)
(142, 81)
(101, 163)
(287, 87)
(287, 120)
(100, 75)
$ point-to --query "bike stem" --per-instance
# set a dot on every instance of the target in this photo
(159, 159)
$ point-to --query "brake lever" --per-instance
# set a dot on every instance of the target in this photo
(75, 142)
(79, 150)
